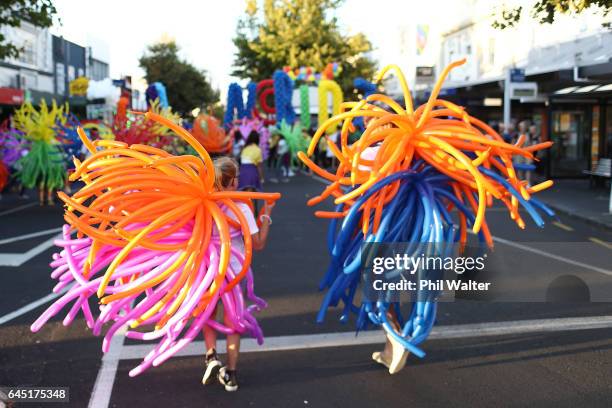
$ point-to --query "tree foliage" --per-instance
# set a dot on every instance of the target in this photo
(40, 13)
(186, 86)
(545, 11)
(298, 33)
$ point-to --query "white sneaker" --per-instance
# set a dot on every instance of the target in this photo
(212, 369)
(228, 379)
(399, 355)
(379, 358)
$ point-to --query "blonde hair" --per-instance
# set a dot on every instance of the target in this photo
(226, 170)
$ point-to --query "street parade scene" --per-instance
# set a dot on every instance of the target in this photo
(294, 203)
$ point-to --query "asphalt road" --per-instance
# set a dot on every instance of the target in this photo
(559, 368)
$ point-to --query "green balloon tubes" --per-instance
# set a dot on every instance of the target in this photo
(304, 107)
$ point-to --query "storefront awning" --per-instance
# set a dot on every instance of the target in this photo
(590, 90)
(11, 96)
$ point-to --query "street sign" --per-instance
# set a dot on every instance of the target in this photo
(517, 75)
(523, 90)
(425, 75)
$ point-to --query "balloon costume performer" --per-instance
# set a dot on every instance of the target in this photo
(153, 244)
(12, 147)
(209, 133)
(400, 182)
(43, 166)
(12, 144)
(295, 140)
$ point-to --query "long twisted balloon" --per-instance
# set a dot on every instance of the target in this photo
(400, 182)
(154, 245)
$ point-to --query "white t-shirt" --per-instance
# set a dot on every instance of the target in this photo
(248, 214)
(238, 145)
(237, 241)
(282, 148)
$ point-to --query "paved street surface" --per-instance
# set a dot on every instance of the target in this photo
(564, 360)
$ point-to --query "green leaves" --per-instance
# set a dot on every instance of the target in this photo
(298, 33)
(545, 11)
(186, 86)
(40, 13)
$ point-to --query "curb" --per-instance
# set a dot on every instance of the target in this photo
(585, 218)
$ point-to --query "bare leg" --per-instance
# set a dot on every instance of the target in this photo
(50, 198)
(388, 351)
(210, 336)
(41, 195)
(233, 347)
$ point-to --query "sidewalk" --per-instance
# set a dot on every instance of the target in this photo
(576, 199)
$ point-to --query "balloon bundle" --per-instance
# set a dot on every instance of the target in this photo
(401, 182)
(153, 243)
(310, 74)
(295, 139)
(66, 133)
(134, 129)
(13, 145)
(157, 92)
(247, 126)
(283, 94)
(158, 108)
(43, 166)
(305, 106)
(210, 134)
(235, 106)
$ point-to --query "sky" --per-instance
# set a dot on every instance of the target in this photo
(121, 30)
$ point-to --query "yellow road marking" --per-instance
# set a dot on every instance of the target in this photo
(562, 226)
(601, 242)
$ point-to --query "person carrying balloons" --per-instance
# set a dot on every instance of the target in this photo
(251, 164)
(417, 178)
(160, 241)
(226, 179)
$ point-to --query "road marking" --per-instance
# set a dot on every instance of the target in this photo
(341, 339)
(13, 210)
(30, 306)
(562, 226)
(103, 387)
(15, 259)
(28, 236)
(600, 242)
(553, 256)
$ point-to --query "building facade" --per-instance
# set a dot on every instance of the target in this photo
(566, 67)
(29, 76)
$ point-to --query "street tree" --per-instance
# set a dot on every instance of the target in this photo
(545, 11)
(40, 13)
(298, 33)
(186, 85)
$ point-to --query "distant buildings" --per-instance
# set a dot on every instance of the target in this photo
(49, 68)
(31, 72)
(558, 77)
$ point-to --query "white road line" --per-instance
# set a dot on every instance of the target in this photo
(13, 210)
(552, 256)
(103, 387)
(15, 259)
(30, 306)
(28, 236)
(340, 339)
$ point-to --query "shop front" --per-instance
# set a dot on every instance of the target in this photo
(581, 129)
